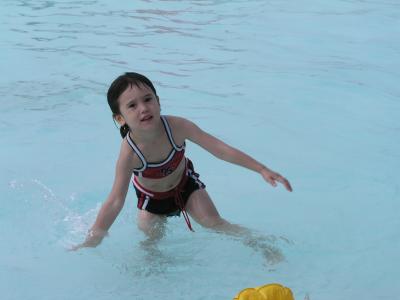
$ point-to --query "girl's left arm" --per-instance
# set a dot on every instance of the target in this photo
(225, 152)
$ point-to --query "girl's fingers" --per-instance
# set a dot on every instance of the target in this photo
(272, 178)
(285, 182)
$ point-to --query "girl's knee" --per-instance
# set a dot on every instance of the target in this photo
(214, 222)
(145, 225)
(150, 224)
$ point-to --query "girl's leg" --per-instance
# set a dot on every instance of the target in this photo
(153, 227)
(151, 224)
(202, 209)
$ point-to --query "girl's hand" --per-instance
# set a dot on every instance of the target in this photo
(272, 177)
(93, 239)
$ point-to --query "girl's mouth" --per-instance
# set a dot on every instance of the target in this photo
(146, 118)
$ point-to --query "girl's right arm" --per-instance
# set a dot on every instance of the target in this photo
(114, 202)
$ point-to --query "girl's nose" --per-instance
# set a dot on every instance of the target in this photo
(143, 107)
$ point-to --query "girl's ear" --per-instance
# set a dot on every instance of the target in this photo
(120, 119)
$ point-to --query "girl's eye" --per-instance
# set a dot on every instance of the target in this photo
(132, 105)
(147, 99)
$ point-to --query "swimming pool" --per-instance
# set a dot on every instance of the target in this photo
(311, 90)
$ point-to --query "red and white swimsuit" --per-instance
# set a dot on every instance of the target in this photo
(159, 169)
(170, 202)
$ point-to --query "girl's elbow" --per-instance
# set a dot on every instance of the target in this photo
(118, 203)
(115, 202)
(227, 154)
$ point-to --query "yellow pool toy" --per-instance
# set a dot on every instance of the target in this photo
(273, 291)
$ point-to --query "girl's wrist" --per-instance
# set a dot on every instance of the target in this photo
(263, 169)
(96, 233)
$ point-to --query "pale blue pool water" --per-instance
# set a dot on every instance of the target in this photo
(311, 89)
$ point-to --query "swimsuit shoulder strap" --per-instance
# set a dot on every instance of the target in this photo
(169, 134)
(139, 153)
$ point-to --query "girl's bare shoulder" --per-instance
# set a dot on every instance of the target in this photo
(178, 122)
(179, 127)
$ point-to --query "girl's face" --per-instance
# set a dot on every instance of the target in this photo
(139, 107)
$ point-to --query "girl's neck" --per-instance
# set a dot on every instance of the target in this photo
(148, 136)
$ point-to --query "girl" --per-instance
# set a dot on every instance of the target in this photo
(153, 149)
